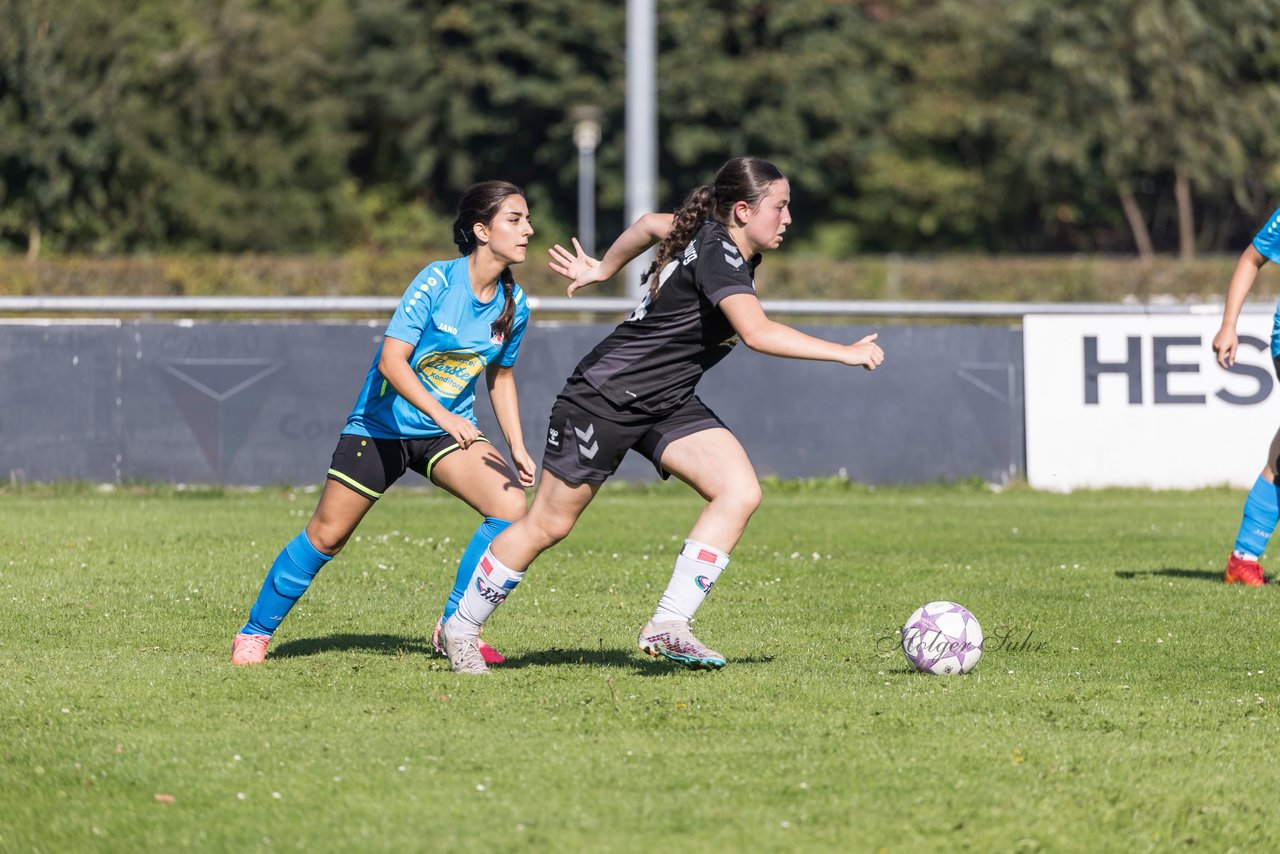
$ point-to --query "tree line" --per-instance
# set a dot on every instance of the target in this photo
(1127, 126)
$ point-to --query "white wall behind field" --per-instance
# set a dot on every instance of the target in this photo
(1139, 400)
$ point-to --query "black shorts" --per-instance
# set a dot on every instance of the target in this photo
(586, 447)
(369, 466)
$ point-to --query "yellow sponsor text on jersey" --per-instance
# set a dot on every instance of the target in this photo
(449, 373)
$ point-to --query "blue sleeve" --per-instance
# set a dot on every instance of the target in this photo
(512, 348)
(1267, 240)
(414, 312)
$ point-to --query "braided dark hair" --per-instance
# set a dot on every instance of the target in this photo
(480, 203)
(742, 179)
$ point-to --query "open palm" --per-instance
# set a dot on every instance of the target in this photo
(579, 267)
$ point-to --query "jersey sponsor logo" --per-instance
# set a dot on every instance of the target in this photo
(449, 373)
(690, 253)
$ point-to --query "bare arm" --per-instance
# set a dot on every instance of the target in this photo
(583, 270)
(393, 364)
(763, 335)
(1226, 341)
(506, 406)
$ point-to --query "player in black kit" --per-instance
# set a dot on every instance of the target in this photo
(635, 391)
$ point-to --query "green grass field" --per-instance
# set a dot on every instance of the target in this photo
(1126, 700)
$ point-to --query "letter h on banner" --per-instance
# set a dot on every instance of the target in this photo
(1132, 368)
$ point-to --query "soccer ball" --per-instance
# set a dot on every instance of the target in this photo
(942, 638)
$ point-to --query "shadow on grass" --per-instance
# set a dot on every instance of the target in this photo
(397, 645)
(1172, 572)
(618, 658)
(385, 644)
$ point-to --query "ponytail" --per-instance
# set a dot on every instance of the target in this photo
(507, 319)
(689, 217)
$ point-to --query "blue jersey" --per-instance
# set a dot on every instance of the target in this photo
(454, 340)
(1267, 240)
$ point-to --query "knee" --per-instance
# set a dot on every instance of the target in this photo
(327, 539)
(548, 529)
(741, 499)
(512, 507)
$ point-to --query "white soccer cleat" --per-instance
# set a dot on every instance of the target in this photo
(463, 649)
(675, 641)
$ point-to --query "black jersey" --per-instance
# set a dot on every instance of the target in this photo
(652, 361)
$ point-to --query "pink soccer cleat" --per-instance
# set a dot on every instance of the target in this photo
(1241, 571)
(249, 649)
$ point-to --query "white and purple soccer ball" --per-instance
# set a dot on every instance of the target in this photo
(942, 638)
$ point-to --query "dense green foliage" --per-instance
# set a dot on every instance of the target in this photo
(1038, 278)
(1123, 703)
(919, 125)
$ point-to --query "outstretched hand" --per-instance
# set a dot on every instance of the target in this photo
(866, 352)
(579, 268)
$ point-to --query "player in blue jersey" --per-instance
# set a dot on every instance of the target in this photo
(457, 320)
(1261, 507)
(635, 391)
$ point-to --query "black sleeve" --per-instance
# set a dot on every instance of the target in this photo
(721, 270)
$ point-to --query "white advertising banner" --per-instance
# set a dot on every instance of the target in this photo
(1140, 400)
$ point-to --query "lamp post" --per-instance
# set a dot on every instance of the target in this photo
(586, 136)
(642, 124)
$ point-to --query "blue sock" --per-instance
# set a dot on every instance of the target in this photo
(289, 578)
(1261, 513)
(480, 540)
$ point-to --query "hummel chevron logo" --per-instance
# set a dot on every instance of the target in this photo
(729, 247)
(584, 436)
(735, 263)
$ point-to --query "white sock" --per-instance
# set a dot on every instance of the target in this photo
(490, 585)
(697, 568)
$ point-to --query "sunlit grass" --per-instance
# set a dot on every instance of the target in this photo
(1125, 702)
